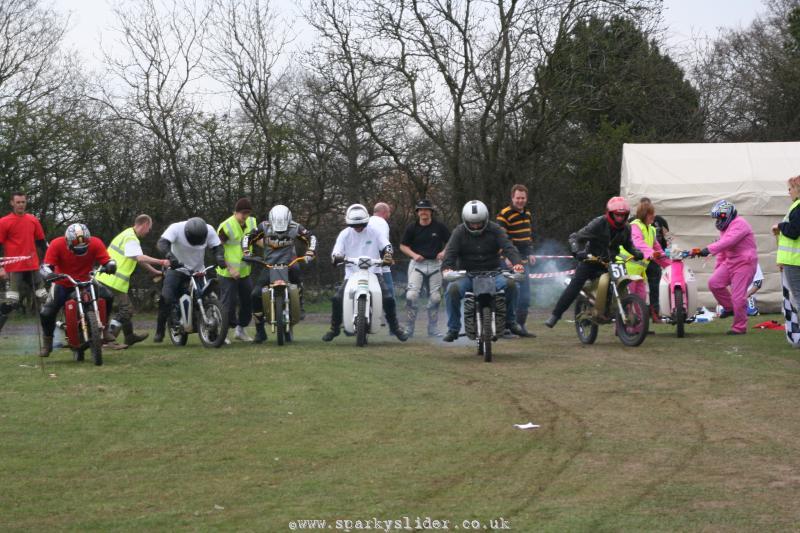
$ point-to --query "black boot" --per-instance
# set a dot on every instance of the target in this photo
(391, 319)
(261, 333)
(47, 346)
(131, 337)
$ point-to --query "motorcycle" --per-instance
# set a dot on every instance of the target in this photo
(84, 318)
(679, 293)
(593, 306)
(198, 310)
(484, 307)
(363, 300)
(281, 299)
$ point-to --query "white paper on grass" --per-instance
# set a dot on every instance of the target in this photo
(529, 425)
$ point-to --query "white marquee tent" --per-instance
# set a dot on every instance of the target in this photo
(685, 180)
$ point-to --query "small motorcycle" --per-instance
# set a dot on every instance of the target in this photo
(84, 318)
(484, 307)
(281, 299)
(594, 306)
(681, 293)
(198, 310)
(362, 303)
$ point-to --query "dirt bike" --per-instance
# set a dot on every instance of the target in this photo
(362, 303)
(198, 310)
(84, 318)
(594, 306)
(681, 293)
(484, 307)
(281, 299)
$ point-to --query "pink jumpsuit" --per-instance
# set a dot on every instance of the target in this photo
(640, 287)
(737, 259)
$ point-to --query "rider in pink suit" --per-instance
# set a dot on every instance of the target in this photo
(737, 259)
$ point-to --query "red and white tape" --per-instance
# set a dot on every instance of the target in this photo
(13, 259)
(543, 275)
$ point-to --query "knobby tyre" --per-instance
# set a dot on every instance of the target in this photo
(585, 327)
(280, 320)
(215, 329)
(486, 333)
(96, 338)
(634, 331)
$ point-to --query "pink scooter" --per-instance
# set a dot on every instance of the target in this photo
(681, 295)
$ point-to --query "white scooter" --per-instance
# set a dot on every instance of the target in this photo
(362, 302)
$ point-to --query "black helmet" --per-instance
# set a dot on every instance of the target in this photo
(196, 231)
(423, 204)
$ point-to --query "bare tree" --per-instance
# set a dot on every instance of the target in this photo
(30, 36)
(250, 56)
(162, 50)
(748, 79)
(458, 72)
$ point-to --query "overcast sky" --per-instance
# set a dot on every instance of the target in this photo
(686, 21)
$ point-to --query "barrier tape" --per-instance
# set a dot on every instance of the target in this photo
(13, 259)
(551, 274)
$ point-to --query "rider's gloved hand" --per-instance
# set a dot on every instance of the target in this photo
(657, 255)
(637, 254)
(309, 256)
(338, 260)
(109, 268)
(519, 269)
(695, 252)
(582, 255)
(387, 259)
(704, 252)
(173, 261)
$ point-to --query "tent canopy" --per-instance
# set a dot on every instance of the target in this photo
(685, 180)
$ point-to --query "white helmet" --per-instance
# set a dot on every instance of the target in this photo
(279, 218)
(475, 212)
(356, 215)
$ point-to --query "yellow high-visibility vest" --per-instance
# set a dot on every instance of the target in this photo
(233, 246)
(638, 268)
(121, 279)
(788, 249)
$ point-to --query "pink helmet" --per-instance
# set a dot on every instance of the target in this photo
(617, 206)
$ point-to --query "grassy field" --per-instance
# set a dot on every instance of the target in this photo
(700, 433)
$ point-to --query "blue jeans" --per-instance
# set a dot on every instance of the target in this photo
(387, 279)
(523, 295)
(453, 296)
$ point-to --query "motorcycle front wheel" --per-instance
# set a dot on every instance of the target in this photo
(214, 329)
(96, 340)
(486, 332)
(361, 321)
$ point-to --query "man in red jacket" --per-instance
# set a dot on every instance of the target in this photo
(20, 235)
(76, 253)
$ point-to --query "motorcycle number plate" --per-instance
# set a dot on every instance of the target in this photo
(483, 285)
(618, 271)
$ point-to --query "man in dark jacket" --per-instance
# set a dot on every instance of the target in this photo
(602, 238)
(474, 246)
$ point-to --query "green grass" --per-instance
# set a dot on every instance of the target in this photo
(700, 433)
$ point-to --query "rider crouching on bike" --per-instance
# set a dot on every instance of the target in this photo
(474, 247)
(277, 235)
(75, 254)
(602, 238)
(184, 244)
(357, 240)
